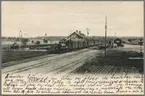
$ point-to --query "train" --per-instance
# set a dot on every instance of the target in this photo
(66, 45)
(75, 41)
(70, 45)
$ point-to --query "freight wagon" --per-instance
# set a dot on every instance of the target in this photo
(75, 41)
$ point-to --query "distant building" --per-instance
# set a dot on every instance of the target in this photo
(76, 35)
(77, 40)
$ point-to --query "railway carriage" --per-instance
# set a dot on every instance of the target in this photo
(75, 41)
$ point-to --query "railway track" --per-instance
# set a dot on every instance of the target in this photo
(42, 62)
(70, 66)
(67, 66)
(67, 63)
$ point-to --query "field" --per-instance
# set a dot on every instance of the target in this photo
(15, 55)
(118, 59)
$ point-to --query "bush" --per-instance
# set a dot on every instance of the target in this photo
(24, 41)
(37, 42)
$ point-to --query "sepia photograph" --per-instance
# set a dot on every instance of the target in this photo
(72, 47)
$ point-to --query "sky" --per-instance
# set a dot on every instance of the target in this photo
(60, 18)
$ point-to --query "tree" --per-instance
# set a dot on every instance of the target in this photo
(123, 41)
(129, 40)
(24, 41)
(45, 41)
(17, 39)
(37, 42)
(32, 41)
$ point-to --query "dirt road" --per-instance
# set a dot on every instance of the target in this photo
(66, 62)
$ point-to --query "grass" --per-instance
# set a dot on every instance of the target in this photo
(116, 58)
(11, 55)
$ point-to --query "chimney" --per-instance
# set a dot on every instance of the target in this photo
(77, 31)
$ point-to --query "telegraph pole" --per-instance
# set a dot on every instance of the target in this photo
(20, 37)
(45, 36)
(87, 31)
(105, 34)
(141, 44)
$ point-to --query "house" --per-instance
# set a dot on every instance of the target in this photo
(77, 40)
(76, 35)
